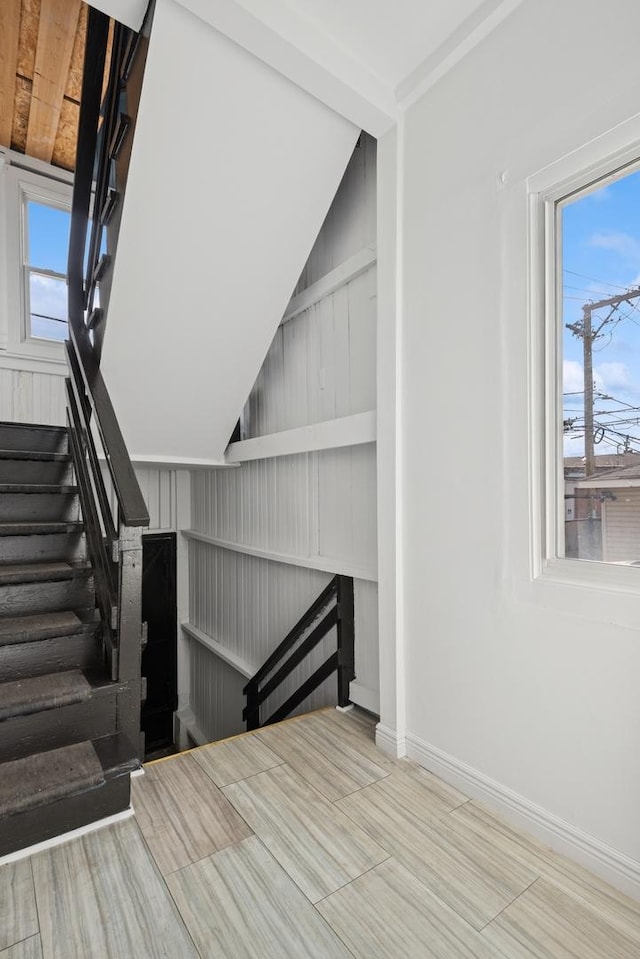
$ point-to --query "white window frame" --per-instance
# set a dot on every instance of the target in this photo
(24, 180)
(607, 158)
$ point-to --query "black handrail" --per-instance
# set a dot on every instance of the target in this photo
(113, 532)
(297, 646)
(132, 508)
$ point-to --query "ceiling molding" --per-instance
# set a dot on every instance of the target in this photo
(307, 58)
(467, 36)
(289, 43)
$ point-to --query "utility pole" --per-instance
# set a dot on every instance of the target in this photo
(588, 335)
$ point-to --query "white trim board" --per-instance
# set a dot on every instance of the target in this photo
(352, 430)
(326, 564)
(232, 659)
(330, 282)
(22, 363)
(67, 836)
(603, 860)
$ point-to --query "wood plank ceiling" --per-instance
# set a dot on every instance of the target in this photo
(41, 57)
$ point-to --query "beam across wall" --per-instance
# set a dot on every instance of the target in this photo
(330, 282)
(330, 434)
(326, 564)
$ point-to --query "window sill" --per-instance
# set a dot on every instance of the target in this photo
(591, 574)
(50, 360)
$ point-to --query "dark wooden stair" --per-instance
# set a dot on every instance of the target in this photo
(63, 761)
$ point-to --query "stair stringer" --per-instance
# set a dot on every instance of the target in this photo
(232, 172)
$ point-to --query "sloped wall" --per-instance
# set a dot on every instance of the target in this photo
(232, 173)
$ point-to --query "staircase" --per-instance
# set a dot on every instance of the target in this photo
(64, 760)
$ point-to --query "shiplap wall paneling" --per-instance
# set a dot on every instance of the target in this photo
(310, 505)
(164, 491)
(347, 504)
(28, 397)
(216, 694)
(350, 224)
(245, 603)
(321, 364)
(263, 503)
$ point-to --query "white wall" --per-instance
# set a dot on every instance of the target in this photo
(232, 171)
(529, 686)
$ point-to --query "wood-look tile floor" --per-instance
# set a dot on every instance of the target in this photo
(303, 841)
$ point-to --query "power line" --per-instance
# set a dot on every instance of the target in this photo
(594, 280)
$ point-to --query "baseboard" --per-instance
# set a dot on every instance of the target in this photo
(605, 861)
(390, 742)
(67, 836)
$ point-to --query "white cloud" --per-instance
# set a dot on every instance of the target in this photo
(625, 245)
(48, 296)
(613, 376)
(572, 378)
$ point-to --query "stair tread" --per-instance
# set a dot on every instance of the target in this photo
(47, 427)
(34, 455)
(36, 626)
(44, 777)
(22, 697)
(35, 529)
(41, 572)
(38, 488)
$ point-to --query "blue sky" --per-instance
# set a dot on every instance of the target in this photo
(48, 246)
(601, 258)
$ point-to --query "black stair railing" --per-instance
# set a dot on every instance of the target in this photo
(113, 520)
(335, 606)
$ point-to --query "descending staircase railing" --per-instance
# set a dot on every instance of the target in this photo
(335, 606)
(113, 532)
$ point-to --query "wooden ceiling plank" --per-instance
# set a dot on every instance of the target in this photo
(56, 34)
(9, 34)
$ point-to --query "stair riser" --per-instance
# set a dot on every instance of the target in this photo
(23, 599)
(39, 507)
(17, 437)
(70, 547)
(22, 660)
(62, 726)
(44, 822)
(35, 471)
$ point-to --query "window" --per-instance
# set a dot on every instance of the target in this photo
(599, 251)
(46, 243)
(585, 356)
(34, 240)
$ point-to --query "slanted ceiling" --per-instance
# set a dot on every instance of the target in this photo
(41, 59)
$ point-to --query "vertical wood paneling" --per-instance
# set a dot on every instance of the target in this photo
(350, 224)
(271, 504)
(27, 397)
(216, 694)
(321, 364)
(160, 489)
